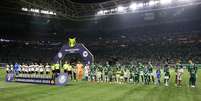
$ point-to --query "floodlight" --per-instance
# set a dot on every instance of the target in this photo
(121, 9)
(133, 6)
(164, 2)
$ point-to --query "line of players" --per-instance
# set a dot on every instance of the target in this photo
(30, 71)
(143, 73)
(130, 74)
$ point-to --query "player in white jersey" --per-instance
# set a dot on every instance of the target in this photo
(86, 72)
(11, 67)
(126, 75)
(36, 69)
(29, 68)
(30, 71)
(8, 69)
(26, 67)
(23, 70)
(180, 72)
(98, 75)
(41, 69)
(47, 68)
(20, 71)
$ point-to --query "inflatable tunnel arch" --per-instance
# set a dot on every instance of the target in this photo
(79, 48)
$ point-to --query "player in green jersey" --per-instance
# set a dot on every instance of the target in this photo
(192, 69)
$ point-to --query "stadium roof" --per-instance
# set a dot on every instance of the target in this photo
(71, 9)
(64, 8)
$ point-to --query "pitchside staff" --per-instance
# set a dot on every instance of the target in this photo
(68, 69)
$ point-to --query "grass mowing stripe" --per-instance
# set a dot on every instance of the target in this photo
(35, 91)
(85, 91)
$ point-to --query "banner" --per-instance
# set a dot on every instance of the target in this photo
(10, 77)
(61, 80)
(2, 65)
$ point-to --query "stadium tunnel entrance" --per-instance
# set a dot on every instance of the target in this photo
(72, 59)
(80, 49)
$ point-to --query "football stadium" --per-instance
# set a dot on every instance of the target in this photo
(100, 50)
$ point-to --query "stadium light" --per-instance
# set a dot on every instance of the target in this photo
(121, 9)
(152, 3)
(184, 0)
(24, 9)
(34, 10)
(164, 2)
(139, 5)
(101, 12)
(105, 11)
(48, 12)
(133, 6)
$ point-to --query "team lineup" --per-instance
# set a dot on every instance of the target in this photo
(137, 74)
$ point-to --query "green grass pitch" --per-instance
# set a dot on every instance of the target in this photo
(87, 91)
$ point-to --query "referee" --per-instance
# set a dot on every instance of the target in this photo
(68, 69)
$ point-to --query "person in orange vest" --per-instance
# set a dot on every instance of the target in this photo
(79, 70)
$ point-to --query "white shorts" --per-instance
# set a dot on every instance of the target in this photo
(166, 77)
(98, 76)
(37, 69)
(7, 69)
(117, 76)
(179, 78)
(151, 74)
(19, 69)
(47, 70)
(141, 73)
(30, 70)
(121, 77)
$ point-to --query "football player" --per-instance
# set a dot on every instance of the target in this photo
(158, 75)
(180, 72)
(166, 74)
(141, 69)
(8, 69)
(151, 73)
(177, 66)
(192, 69)
(47, 71)
(146, 75)
(41, 69)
